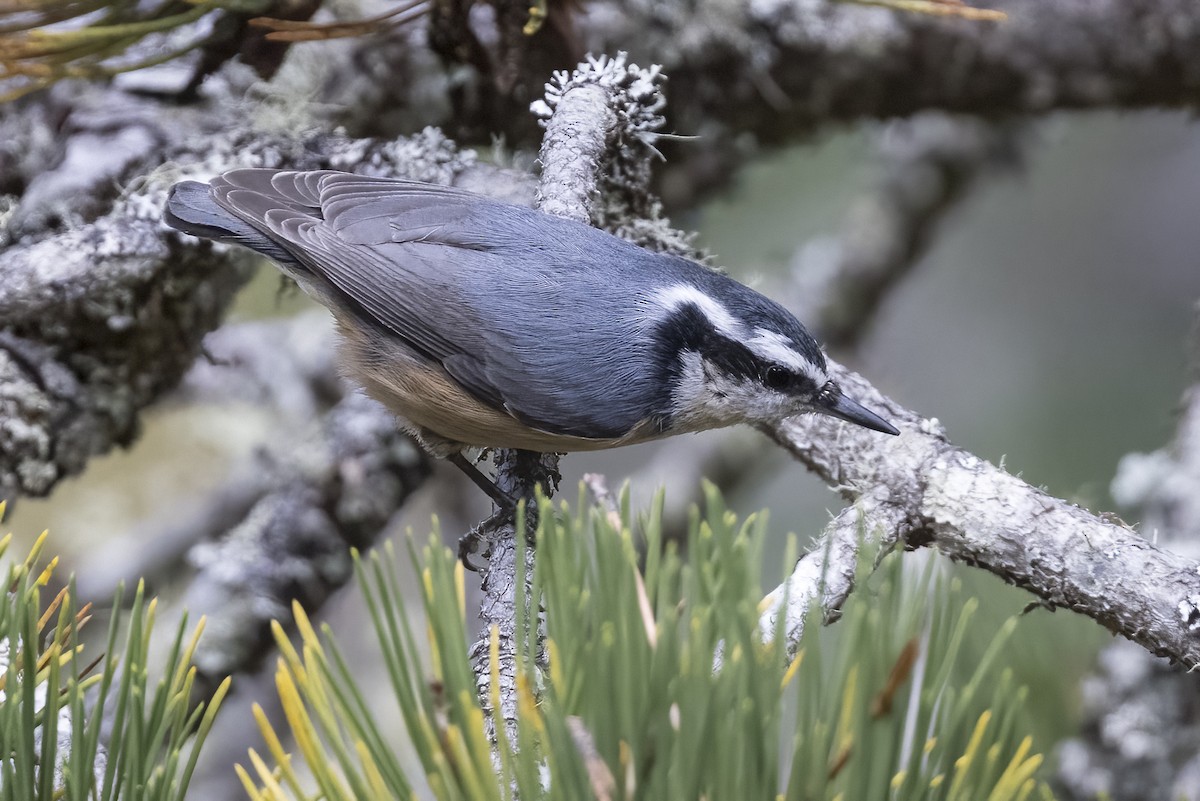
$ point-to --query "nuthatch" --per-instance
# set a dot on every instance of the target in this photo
(480, 323)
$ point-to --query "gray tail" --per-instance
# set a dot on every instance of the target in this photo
(191, 208)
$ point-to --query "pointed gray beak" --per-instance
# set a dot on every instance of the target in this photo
(833, 403)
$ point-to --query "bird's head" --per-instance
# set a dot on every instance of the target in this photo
(739, 357)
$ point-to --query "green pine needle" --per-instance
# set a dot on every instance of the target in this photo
(630, 705)
(56, 697)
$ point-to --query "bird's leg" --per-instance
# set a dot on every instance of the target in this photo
(468, 543)
(498, 496)
(526, 463)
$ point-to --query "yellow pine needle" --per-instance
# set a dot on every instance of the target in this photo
(845, 726)
(644, 607)
(1027, 789)
(937, 781)
(558, 679)
(189, 652)
(427, 585)
(3, 508)
(298, 719)
(375, 780)
(793, 668)
(768, 600)
(930, 744)
(314, 687)
(527, 706)
(65, 659)
(849, 696)
(281, 757)
(35, 551)
(44, 577)
(437, 781)
(898, 780)
(52, 652)
(993, 757)
(270, 786)
(214, 704)
(1019, 771)
(151, 607)
(468, 762)
(288, 652)
(435, 654)
(476, 741)
(460, 588)
(938, 9)
(962, 766)
(494, 666)
(248, 783)
(308, 634)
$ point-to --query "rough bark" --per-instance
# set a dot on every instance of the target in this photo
(930, 493)
(781, 69)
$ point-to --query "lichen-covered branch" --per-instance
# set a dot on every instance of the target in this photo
(781, 69)
(929, 164)
(97, 323)
(826, 574)
(942, 496)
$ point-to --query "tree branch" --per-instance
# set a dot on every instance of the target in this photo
(98, 322)
(779, 69)
(976, 513)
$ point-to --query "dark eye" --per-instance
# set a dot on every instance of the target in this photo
(777, 377)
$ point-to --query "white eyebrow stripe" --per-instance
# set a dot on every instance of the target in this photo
(774, 346)
(673, 297)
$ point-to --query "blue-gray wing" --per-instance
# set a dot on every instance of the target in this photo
(515, 305)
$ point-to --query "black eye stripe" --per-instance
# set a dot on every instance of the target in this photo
(687, 329)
